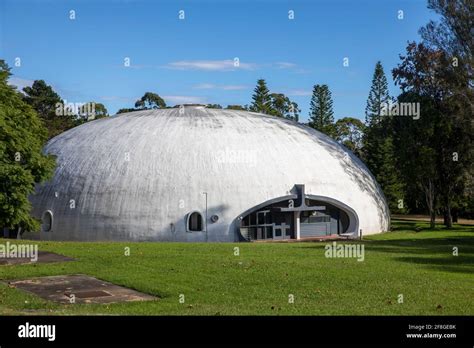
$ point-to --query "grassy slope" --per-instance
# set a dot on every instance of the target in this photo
(419, 265)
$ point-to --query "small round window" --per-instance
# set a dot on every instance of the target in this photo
(47, 221)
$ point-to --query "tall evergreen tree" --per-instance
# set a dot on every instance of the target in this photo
(378, 142)
(375, 121)
(321, 116)
(378, 96)
(388, 176)
(261, 100)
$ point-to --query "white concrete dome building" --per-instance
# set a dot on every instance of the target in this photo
(196, 174)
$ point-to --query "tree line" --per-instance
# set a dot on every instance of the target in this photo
(275, 104)
(423, 160)
(418, 145)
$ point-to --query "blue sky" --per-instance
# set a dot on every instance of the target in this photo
(191, 60)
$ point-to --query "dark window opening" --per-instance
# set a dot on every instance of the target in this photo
(47, 221)
(195, 222)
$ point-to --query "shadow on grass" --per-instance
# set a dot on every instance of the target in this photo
(432, 246)
(449, 263)
(399, 225)
(434, 253)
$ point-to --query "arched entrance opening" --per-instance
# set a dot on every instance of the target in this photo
(297, 216)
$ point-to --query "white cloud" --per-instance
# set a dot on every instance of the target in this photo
(210, 65)
(118, 98)
(19, 83)
(233, 87)
(223, 87)
(183, 99)
(291, 66)
(285, 65)
(205, 86)
(299, 92)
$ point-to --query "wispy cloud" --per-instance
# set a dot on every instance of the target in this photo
(19, 82)
(205, 86)
(299, 92)
(220, 65)
(285, 65)
(118, 98)
(183, 99)
(210, 65)
(222, 87)
(292, 67)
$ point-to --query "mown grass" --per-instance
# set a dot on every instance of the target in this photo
(418, 265)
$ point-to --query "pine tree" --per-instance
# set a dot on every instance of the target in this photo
(388, 176)
(321, 114)
(378, 96)
(375, 122)
(378, 151)
(261, 98)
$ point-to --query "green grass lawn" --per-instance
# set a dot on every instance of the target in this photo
(418, 265)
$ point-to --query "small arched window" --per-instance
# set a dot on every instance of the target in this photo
(194, 223)
(47, 221)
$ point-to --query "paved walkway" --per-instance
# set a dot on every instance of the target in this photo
(310, 239)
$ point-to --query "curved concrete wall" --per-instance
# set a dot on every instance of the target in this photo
(136, 176)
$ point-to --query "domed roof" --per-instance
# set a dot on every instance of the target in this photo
(136, 175)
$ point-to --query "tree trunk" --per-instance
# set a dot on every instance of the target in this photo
(430, 201)
(455, 215)
(432, 219)
(448, 219)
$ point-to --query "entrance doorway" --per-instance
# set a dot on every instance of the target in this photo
(282, 231)
(314, 224)
(268, 223)
(297, 216)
